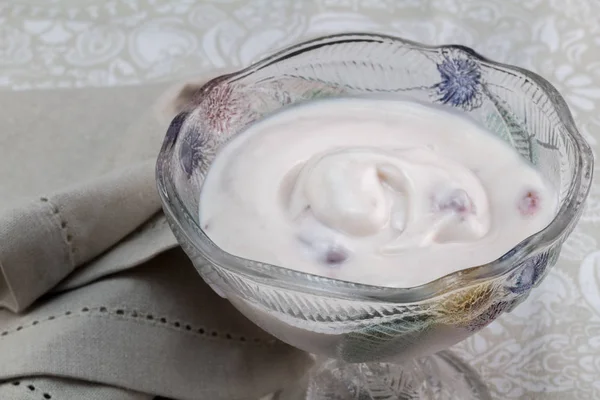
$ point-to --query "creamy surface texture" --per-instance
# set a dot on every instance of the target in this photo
(378, 191)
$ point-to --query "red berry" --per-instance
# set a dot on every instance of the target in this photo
(529, 203)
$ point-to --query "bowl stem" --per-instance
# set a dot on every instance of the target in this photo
(442, 376)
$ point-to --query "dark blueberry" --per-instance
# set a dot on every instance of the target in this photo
(336, 255)
(324, 250)
(460, 83)
(456, 200)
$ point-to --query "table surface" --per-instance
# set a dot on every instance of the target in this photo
(547, 348)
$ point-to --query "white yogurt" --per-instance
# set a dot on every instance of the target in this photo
(377, 191)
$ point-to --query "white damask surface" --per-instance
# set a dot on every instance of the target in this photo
(548, 347)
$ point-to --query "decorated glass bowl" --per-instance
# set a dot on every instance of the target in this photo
(377, 342)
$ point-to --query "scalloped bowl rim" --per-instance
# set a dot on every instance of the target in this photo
(564, 220)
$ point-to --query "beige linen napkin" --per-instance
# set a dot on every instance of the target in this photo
(93, 304)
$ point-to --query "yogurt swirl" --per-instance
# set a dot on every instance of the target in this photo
(377, 191)
(421, 197)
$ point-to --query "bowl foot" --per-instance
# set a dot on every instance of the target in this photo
(442, 376)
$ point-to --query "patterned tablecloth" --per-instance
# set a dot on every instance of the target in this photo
(549, 347)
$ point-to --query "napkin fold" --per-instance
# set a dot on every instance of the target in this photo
(96, 299)
(67, 229)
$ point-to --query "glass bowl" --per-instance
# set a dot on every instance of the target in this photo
(377, 342)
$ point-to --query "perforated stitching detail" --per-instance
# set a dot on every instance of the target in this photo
(145, 318)
(66, 234)
(33, 389)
